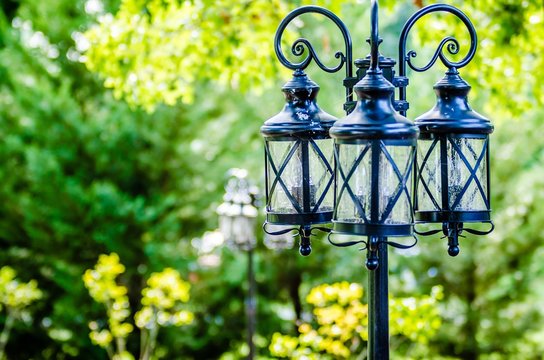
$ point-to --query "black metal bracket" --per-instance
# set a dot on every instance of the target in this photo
(304, 231)
(453, 231)
(371, 245)
(300, 45)
(450, 43)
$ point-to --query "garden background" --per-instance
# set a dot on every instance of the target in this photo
(118, 123)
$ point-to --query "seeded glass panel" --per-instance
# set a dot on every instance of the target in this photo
(429, 188)
(394, 203)
(460, 174)
(279, 151)
(358, 183)
(321, 174)
(291, 154)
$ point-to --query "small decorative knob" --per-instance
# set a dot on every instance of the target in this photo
(452, 231)
(305, 244)
(372, 263)
(453, 250)
(305, 249)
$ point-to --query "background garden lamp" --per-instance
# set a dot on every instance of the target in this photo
(375, 156)
(237, 220)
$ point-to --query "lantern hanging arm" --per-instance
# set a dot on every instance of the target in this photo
(371, 246)
(298, 47)
(304, 231)
(453, 231)
(450, 43)
(301, 44)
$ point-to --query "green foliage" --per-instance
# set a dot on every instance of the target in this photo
(507, 67)
(15, 297)
(341, 325)
(156, 51)
(161, 301)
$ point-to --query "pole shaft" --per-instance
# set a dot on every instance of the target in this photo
(250, 305)
(378, 323)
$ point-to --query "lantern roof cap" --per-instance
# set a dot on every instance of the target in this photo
(374, 116)
(452, 113)
(301, 116)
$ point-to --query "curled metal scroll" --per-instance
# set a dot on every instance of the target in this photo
(303, 231)
(301, 45)
(449, 43)
(453, 231)
(371, 246)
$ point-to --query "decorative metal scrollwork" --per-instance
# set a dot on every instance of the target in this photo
(452, 46)
(450, 43)
(371, 246)
(305, 232)
(453, 231)
(300, 45)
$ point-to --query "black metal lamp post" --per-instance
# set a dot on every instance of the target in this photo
(375, 156)
(237, 220)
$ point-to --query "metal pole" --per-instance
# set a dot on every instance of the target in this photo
(250, 305)
(378, 299)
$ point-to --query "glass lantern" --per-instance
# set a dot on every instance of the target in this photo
(298, 155)
(237, 213)
(452, 167)
(374, 151)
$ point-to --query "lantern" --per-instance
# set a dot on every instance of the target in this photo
(237, 213)
(374, 152)
(298, 153)
(452, 185)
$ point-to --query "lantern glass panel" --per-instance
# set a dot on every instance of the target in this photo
(467, 172)
(279, 152)
(290, 157)
(429, 189)
(355, 198)
(394, 191)
(321, 173)
(358, 183)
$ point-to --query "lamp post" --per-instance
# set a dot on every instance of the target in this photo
(377, 187)
(237, 220)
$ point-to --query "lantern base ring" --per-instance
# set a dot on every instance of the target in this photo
(452, 216)
(298, 219)
(379, 230)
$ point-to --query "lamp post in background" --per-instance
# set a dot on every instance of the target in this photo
(361, 173)
(237, 220)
